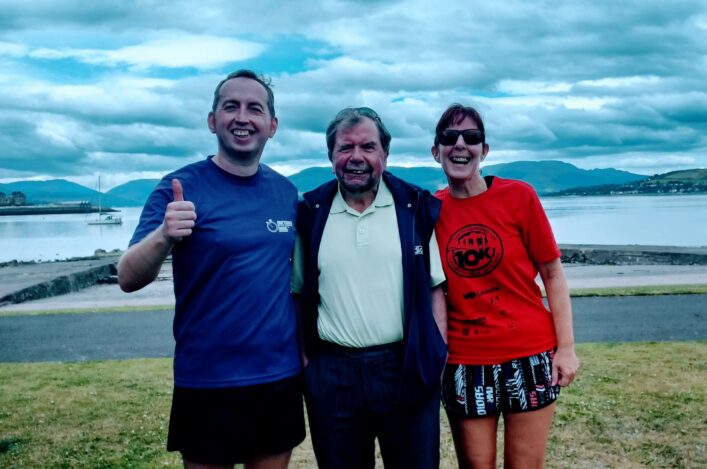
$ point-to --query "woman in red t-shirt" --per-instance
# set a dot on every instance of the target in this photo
(508, 355)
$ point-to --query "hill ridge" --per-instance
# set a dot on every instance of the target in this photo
(547, 177)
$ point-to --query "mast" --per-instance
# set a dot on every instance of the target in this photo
(99, 195)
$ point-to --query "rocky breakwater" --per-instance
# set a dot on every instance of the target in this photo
(633, 255)
(20, 282)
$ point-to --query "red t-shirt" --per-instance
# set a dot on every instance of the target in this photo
(490, 246)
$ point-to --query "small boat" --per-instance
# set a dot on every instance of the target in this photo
(104, 218)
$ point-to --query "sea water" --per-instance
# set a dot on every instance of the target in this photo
(674, 220)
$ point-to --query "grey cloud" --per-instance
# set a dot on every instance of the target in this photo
(645, 62)
(263, 18)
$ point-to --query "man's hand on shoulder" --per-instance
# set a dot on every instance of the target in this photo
(180, 216)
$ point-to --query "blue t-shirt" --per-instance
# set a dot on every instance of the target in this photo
(234, 321)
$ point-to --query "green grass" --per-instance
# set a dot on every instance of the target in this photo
(632, 405)
(108, 309)
(697, 289)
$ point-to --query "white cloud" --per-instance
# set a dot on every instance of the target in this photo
(534, 87)
(13, 49)
(170, 50)
(621, 82)
(646, 163)
(55, 133)
(351, 73)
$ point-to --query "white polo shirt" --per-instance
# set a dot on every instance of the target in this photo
(361, 274)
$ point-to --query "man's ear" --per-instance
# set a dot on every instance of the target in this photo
(435, 153)
(273, 126)
(211, 121)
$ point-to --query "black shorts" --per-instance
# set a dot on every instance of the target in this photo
(234, 425)
(518, 385)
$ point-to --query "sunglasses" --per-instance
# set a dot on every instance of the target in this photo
(470, 136)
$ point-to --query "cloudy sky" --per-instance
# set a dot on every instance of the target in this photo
(122, 88)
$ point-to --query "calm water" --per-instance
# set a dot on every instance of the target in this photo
(657, 220)
(678, 220)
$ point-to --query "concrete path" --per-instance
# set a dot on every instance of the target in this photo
(26, 282)
(98, 336)
(161, 292)
(40, 283)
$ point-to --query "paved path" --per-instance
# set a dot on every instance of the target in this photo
(160, 293)
(71, 337)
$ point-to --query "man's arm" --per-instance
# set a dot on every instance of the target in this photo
(565, 363)
(437, 279)
(141, 263)
(296, 289)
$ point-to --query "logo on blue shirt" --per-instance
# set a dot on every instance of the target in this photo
(280, 226)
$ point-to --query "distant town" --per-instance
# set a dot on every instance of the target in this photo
(16, 199)
(676, 182)
(16, 204)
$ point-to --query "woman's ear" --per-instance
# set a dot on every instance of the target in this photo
(435, 153)
(484, 152)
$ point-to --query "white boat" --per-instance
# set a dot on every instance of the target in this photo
(104, 218)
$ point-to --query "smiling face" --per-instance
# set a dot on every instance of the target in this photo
(358, 159)
(461, 161)
(241, 121)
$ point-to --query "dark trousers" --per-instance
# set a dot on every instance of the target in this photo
(351, 397)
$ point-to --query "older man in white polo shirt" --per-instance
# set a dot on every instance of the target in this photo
(374, 318)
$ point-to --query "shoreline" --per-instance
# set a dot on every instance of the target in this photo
(21, 210)
(160, 293)
(566, 249)
(105, 293)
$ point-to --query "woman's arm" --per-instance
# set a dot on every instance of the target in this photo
(565, 363)
(439, 310)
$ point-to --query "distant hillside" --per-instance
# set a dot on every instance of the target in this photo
(547, 177)
(675, 182)
(309, 178)
(136, 192)
(554, 176)
(544, 176)
(60, 190)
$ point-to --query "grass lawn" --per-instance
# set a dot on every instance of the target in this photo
(633, 405)
(697, 289)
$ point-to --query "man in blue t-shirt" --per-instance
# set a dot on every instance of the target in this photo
(228, 222)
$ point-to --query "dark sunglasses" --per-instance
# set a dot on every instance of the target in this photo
(470, 136)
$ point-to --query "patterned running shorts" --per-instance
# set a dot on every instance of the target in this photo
(518, 385)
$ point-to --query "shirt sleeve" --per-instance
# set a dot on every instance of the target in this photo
(297, 278)
(537, 232)
(436, 271)
(153, 212)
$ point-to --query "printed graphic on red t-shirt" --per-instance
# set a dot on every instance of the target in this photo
(474, 251)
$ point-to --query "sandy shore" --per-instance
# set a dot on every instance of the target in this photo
(160, 292)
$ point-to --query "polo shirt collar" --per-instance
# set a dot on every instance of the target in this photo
(383, 198)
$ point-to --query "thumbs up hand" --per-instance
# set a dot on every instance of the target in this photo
(180, 216)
